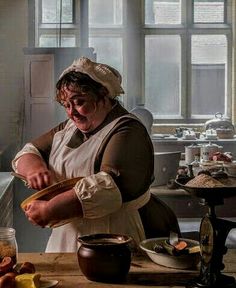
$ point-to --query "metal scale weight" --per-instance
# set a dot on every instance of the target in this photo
(213, 234)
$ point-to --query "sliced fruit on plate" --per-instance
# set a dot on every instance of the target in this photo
(180, 248)
(48, 283)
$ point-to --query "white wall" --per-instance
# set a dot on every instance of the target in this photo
(13, 37)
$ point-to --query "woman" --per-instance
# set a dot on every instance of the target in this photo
(101, 142)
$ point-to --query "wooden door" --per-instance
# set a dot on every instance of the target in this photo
(39, 95)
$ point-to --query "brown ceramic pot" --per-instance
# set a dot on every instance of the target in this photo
(105, 257)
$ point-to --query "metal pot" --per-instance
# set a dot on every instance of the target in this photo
(219, 122)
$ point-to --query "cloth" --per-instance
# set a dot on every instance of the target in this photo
(69, 163)
(101, 73)
(123, 219)
(104, 212)
(117, 154)
(28, 148)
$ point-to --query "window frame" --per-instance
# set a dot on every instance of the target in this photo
(186, 29)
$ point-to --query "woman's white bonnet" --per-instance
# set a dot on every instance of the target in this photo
(101, 73)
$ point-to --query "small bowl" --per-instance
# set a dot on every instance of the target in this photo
(105, 257)
(184, 261)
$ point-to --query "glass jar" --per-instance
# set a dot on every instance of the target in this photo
(196, 165)
(8, 244)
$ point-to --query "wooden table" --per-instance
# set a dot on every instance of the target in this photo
(143, 272)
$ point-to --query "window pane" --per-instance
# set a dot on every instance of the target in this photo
(53, 41)
(105, 12)
(162, 74)
(108, 50)
(208, 11)
(209, 62)
(52, 11)
(162, 12)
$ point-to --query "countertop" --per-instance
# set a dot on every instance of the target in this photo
(143, 272)
(182, 140)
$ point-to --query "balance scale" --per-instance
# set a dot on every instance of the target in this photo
(213, 234)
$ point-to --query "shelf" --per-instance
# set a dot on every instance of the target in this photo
(187, 206)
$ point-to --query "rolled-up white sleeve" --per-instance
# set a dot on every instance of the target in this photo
(28, 148)
(99, 195)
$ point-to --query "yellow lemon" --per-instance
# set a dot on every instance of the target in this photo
(27, 280)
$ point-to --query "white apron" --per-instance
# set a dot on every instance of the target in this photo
(68, 163)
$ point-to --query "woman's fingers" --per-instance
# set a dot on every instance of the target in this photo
(35, 213)
(39, 180)
(47, 179)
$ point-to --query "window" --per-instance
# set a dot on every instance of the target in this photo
(174, 55)
(187, 59)
(106, 32)
(56, 24)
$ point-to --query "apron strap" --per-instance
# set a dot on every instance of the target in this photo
(138, 202)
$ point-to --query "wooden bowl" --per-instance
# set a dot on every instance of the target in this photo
(50, 192)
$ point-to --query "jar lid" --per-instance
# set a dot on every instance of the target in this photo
(7, 232)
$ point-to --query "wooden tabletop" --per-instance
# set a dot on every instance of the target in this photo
(143, 272)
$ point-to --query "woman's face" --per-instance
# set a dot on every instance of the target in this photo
(81, 107)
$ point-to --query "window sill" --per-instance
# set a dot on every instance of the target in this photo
(170, 128)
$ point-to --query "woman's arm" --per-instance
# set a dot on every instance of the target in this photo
(32, 160)
(127, 155)
(63, 206)
(92, 197)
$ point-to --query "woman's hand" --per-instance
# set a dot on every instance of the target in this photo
(61, 207)
(35, 170)
(39, 179)
(37, 212)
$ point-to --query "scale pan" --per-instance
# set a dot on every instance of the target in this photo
(209, 193)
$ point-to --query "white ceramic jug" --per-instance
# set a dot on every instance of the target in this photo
(192, 151)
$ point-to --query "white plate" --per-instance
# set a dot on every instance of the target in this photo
(48, 283)
(167, 260)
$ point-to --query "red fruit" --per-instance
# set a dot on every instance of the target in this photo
(27, 267)
(7, 281)
(6, 265)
